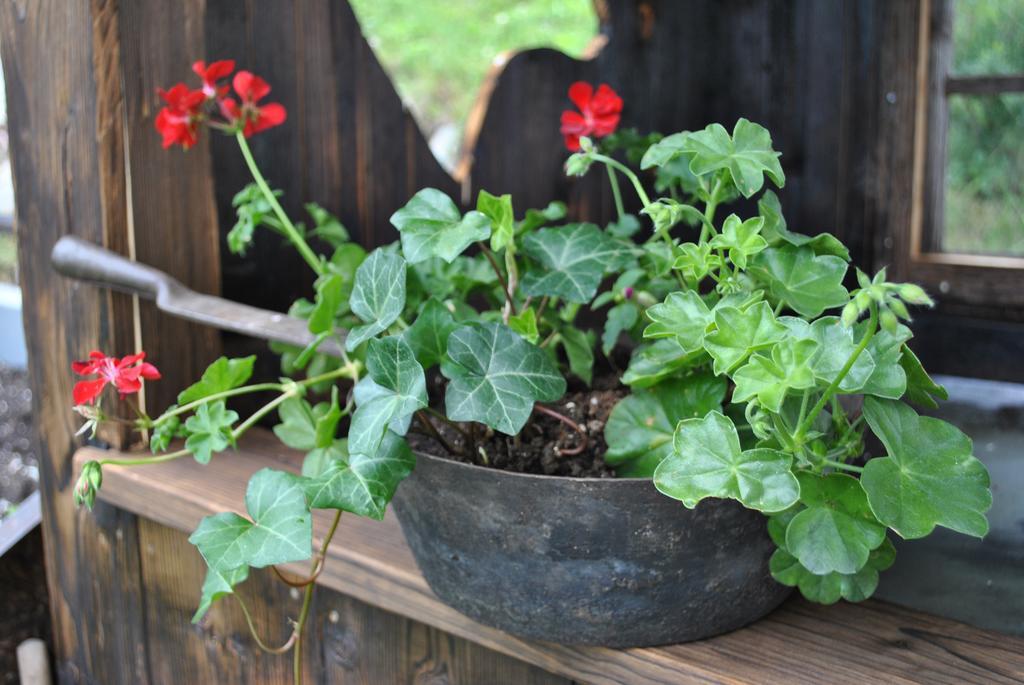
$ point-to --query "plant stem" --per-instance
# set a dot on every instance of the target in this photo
(244, 390)
(834, 385)
(259, 414)
(349, 370)
(307, 600)
(841, 465)
(434, 433)
(616, 192)
(628, 173)
(449, 422)
(143, 461)
(501, 278)
(543, 304)
(569, 422)
(256, 636)
(293, 233)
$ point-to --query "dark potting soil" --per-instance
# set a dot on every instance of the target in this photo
(546, 445)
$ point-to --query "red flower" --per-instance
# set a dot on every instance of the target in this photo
(251, 89)
(178, 121)
(213, 73)
(598, 116)
(123, 373)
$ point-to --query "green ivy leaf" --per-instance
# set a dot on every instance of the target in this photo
(223, 374)
(362, 484)
(830, 587)
(771, 378)
(651, 364)
(579, 349)
(344, 262)
(706, 461)
(739, 333)
(682, 316)
(318, 460)
(428, 334)
(622, 317)
(747, 154)
(525, 324)
(741, 238)
(394, 389)
(280, 531)
(570, 261)
(806, 282)
(499, 210)
(837, 531)
(775, 231)
(496, 377)
(378, 296)
(209, 430)
(218, 584)
(921, 389)
(930, 476)
(432, 226)
(640, 427)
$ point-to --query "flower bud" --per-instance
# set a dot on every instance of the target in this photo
(578, 164)
(911, 293)
(88, 484)
(863, 280)
(628, 292)
(850, 314)
(889, 322)
(863, 300)
(899, 309)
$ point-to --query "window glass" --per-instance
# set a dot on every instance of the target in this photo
(988, 37)
(984, 175)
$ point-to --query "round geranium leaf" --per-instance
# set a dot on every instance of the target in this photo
(707, 461)
(929, 478)
(837, 531)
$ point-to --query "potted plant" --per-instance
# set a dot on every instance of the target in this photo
(452, 350)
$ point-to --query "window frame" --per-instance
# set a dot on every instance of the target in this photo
(987, 281)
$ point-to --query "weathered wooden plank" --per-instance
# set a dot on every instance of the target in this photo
(800, 643)
(347, 641)
(63, 128)
(173, 219)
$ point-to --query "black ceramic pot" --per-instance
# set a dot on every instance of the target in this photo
(591, 561)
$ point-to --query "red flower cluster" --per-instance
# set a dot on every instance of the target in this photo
(124, 373)
(178, 121)
(598, 116)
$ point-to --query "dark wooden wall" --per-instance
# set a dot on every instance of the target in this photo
(832, 79)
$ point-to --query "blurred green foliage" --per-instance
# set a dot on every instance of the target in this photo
(984, 210)
(438, 51)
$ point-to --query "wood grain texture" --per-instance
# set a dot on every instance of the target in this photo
(800, 643)
(63, 187)
(171, 201)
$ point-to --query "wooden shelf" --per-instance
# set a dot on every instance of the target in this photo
(799, 643)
